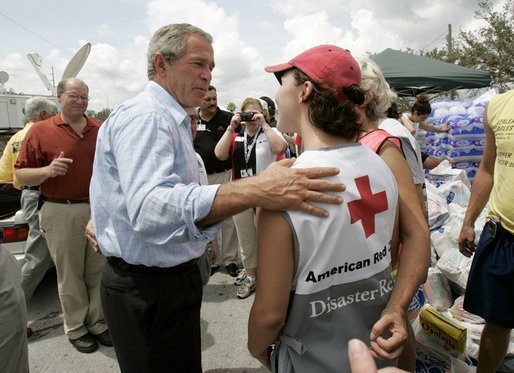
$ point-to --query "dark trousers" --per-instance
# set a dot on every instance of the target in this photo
(154, 318)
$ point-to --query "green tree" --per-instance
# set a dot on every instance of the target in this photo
(103, 114)
(231, 106)
(491, 47)
(441, 54)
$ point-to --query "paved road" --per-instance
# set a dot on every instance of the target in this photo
(224, 319)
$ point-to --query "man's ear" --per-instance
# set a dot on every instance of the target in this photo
(44, 115)
(159, 63)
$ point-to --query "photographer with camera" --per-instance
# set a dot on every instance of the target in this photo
(251, 151)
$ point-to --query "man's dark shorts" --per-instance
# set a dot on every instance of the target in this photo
(490, 288)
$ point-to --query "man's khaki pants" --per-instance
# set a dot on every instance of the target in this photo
(79, 268)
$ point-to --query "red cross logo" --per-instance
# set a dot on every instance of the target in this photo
(368, 206)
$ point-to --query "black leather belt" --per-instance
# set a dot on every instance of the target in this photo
(67, 201)
(139, 268)
(35, 187)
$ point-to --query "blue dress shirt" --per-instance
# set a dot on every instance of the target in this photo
(145, 196)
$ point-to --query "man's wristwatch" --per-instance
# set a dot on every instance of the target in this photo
(229, 129)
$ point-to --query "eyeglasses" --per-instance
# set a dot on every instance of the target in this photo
(77, 97)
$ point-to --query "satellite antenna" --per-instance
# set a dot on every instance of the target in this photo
(4, 77)
(71, 71)
(76, 63)
(37, 61)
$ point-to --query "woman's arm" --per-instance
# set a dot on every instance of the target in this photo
(413, 259)
(431, 128)
(407, 124)
(277, 142)
(274, 276)
(222, 149)
(414, 234)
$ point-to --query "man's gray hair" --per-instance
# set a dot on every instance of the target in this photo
(35, 105)
(171, 42)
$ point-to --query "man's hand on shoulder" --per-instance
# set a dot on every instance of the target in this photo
(283, 188)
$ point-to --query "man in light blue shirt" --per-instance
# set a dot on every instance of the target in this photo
(152, 218)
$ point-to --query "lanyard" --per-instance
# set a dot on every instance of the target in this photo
(248, 149)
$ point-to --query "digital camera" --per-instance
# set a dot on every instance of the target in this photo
(246, 116)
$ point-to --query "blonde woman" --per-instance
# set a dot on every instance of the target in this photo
(251, 151)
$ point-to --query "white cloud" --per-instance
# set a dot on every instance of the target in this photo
(291, 8)
(304, 37)
(371, 35)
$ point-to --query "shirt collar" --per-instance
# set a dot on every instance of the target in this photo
(166, 99)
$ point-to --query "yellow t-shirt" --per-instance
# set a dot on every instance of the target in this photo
(500, 115)
(10, 156)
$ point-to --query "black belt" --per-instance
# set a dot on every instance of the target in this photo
(35, 187)
(67, 201)
(139, 268)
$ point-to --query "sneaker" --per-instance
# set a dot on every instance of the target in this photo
(249, 285)
(104, 338)
(85, 343)
(241, 275)
(232, 269)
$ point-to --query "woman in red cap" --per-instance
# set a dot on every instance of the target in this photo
(323, 282)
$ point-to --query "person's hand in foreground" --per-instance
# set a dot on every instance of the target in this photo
(392, 323)
(361, 360)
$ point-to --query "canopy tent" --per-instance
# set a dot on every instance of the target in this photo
(409, 74)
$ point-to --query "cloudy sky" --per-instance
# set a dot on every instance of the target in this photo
(248, 35)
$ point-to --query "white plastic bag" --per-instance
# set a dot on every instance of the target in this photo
(445, 173)
(455, 267)
(455, 191)
(437, 290)
(437, 207)
(445, 238)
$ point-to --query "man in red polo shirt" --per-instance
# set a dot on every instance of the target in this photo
(57, 154)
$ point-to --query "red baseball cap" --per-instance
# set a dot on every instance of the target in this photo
(327, 65)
